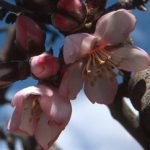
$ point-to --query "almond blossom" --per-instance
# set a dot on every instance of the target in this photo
(93, 58)
(40, 111)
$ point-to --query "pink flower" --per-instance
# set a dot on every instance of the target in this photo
(40, 111)
(93, 63)
(44, 66)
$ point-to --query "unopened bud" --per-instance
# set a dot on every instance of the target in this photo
(44, 66)
(29, 35)
(70, 16)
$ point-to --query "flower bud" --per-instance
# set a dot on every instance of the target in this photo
(44, 66)
(70, 16)
(29, 35)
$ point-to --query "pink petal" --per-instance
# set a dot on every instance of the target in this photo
(24, 94)
(72, 81)
(131, 58)
(27, 123)
(13, 126)
(56, 107)
(115, 27)
(45, 98)
(46, 133)
(77, 45)
(15, 120)
(21, 118)
(103, 90)
(60, 111)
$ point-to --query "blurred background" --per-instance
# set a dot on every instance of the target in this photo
(91, 126)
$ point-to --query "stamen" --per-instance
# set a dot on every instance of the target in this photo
(98, 62)
(88, 65)
(35, 111)
(93, 60)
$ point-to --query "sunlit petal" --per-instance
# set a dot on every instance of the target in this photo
(77, 45)
(22, 119)
(115, 27)
(131, 58)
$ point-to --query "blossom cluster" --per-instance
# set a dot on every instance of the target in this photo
(92, 61)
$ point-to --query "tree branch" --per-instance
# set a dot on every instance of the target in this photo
(123, 114)
(13, 8)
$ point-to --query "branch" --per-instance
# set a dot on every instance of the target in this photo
(131, 4)
(140, 83)
(13, 8)
(8, 43)
(18, 9)
(123, 114)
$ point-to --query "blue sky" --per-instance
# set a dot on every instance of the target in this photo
(91, 126)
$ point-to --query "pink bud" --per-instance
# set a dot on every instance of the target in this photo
(29, 35)
(44, 66)
(64, 23)
(70, 5)
(70, 16)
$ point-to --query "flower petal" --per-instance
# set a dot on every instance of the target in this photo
(115, 27)
(24, 94)
(22, 118)
(27, 123)
(72, 81)
(14, 122)
(77, 45)
(46, 133)
(130, 58)
(56, 107)
(101, 90)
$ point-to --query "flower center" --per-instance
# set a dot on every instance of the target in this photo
(35, 110)
(97, 63)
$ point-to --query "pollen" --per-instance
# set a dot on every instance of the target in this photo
(97, 62)
(35, 110)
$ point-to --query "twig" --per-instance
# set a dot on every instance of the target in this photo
(13, 8)
(8, 43)
(131, 4)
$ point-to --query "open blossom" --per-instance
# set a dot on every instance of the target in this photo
(94, 57)
(40, 111)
